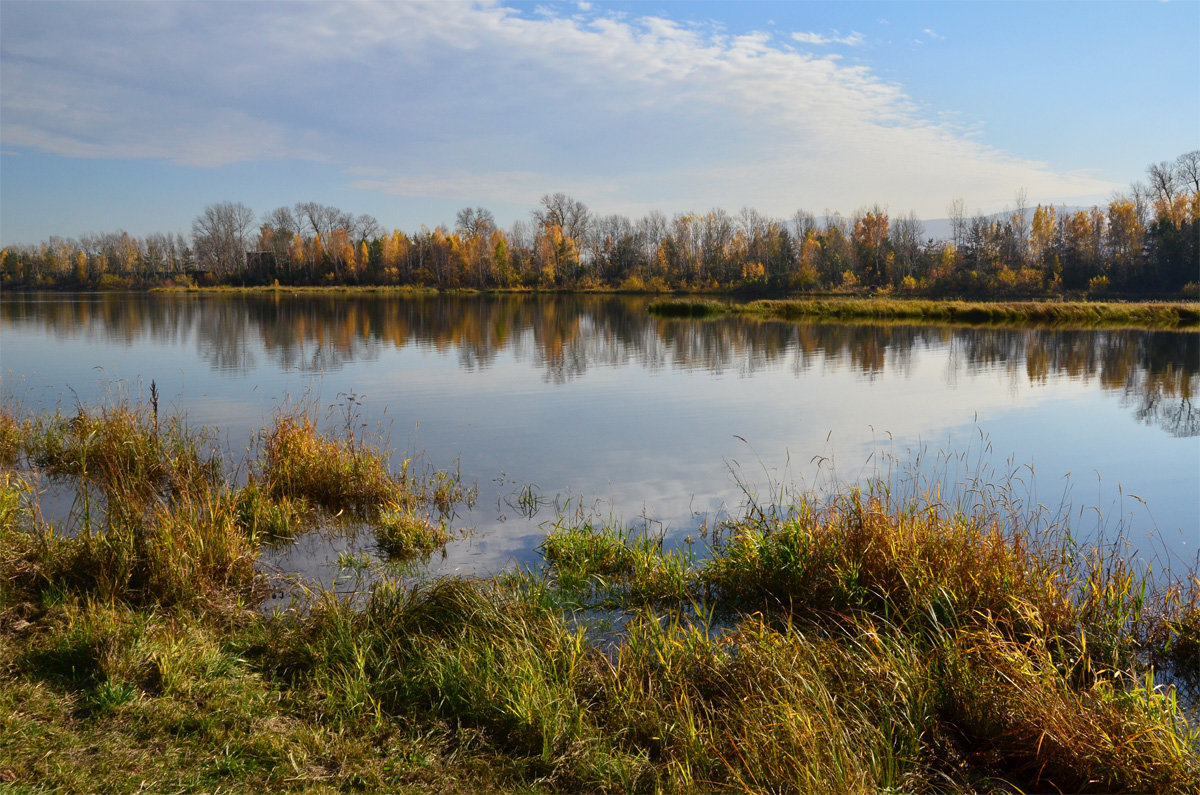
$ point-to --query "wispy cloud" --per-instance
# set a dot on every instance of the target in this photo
(932, 34)
(484, 103)
(853, 40)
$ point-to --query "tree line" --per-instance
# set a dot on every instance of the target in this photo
(1146, 240)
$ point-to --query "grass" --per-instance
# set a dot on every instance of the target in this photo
(404, 533)
(338, 473)
(861, 644)
(1168, 315)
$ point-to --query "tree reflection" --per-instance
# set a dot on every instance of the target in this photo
(1155, 373)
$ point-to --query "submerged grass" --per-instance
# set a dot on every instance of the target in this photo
(1167, 315)
(862, 644)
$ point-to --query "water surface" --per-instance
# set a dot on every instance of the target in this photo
(589, 402)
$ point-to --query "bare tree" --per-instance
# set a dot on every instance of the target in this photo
(563, 211)
(1140, 193)
(1187, 166)
(1020, 228)
(1164, 181)
(958, 221)
(474, 222)
(220, 235)
(282, 219)
(366, 227)
(652, 228)
(322, 219)
(905, 234)
(803, 223)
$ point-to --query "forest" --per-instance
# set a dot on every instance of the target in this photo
(1144, 242)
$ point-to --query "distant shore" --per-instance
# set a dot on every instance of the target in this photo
(1177, 314)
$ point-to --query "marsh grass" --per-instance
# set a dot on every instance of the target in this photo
(173, 528)
(606, 565)
(689, 307)
(12, 435)
(336, 472)
(301, 467)
(862, 643)
(924, 647)
(1171, 315)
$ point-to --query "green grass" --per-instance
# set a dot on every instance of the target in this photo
(404, 532)
(861, 644)
(1171, 315)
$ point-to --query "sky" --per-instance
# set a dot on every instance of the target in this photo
(136, 115)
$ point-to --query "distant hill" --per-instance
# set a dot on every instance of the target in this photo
(942, 229)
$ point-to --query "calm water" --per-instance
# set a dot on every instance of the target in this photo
(599, 407)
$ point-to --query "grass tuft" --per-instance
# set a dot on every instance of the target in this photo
(404, 533)
(336, 473)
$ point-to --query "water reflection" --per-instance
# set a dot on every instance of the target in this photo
(1154, 373)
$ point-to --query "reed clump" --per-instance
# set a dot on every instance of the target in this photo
(602, 564)
(12, 436)
(158, 518)
(912, 565)
(926, 647)
(407, 532)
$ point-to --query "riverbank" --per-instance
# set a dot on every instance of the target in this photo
(1083, 314)
(857, 644)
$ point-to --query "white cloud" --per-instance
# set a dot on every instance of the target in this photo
(853, 40)
(932, 34)
(481, 103)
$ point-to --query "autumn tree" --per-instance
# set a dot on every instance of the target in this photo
(870, 241)
(1125, 239)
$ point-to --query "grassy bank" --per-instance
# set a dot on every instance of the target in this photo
(1152, 315)
(856, 645)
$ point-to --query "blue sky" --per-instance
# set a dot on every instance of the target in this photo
(136, 115)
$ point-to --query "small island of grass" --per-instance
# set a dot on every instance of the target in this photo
(1083, 314)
